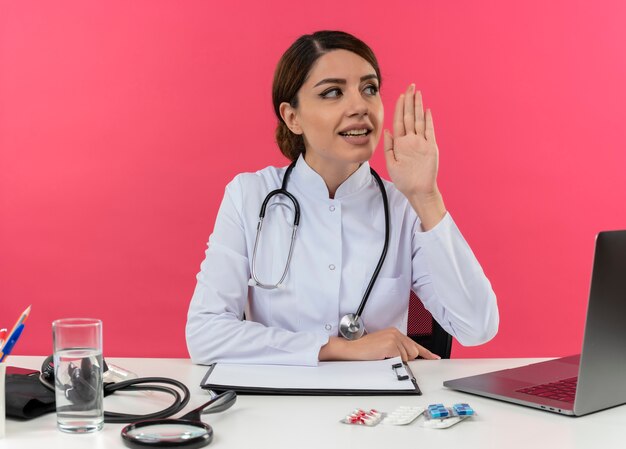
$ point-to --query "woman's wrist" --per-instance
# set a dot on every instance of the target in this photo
(335, 349)
(429, 208)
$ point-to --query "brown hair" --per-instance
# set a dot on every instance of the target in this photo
(293, 70)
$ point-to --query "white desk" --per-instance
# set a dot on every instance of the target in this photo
(313, 422)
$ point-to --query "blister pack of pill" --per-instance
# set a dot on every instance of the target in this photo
(403, 415)
(364, 417)
(438, 416)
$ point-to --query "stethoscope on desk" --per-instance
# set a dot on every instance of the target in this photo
(152, 430)
(351, 326)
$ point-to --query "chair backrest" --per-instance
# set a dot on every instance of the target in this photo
(424, 330)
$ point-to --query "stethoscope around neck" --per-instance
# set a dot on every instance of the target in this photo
(351, 326)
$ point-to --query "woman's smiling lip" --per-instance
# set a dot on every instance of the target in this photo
(361, 139)
(357, 140)
(357, 126)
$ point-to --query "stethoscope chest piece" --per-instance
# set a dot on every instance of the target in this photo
(351, 327)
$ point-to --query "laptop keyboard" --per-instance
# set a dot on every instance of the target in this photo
(562, 390)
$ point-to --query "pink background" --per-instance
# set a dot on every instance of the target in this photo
(121, 123)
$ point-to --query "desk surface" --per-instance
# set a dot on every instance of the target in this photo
(313, 422)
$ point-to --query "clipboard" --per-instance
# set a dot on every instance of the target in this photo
(360, 378)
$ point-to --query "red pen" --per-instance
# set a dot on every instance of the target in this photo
(3, 335)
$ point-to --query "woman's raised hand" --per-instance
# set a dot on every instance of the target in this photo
(413, 157)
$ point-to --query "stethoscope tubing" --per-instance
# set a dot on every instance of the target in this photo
(383, 253)
(259, 227)
(136, 384)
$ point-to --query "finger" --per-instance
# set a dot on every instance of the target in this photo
(409, 110)
(413, 349)
(403, 353)
(426, 354)
(398, 117)
(429, 132)
(419, 114)
(390, 156)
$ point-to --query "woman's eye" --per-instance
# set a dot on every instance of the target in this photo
(331, 93)
(371, 89)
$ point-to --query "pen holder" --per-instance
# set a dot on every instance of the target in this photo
(3, 418)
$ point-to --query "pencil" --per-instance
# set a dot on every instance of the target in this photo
(22, 319)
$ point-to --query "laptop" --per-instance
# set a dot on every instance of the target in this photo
(580, 384)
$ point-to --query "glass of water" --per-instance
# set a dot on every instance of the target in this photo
(78, 370)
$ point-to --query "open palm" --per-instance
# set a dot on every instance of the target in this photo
(411, 153)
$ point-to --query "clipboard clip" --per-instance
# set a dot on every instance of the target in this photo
(395, 367)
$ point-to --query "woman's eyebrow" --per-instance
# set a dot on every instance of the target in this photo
(343, 81)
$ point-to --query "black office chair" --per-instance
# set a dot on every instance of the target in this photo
(424, 330)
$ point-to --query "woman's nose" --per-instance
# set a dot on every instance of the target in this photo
(357, 105)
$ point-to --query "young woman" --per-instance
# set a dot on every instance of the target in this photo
(296, 293)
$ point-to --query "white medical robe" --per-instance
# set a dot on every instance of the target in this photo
(337, 247)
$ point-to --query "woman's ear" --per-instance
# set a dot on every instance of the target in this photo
(289, 116)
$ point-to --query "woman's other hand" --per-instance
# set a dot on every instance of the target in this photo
(386, 343)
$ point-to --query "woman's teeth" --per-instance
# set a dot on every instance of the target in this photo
(356, 132)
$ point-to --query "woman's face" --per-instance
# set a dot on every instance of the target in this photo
(339, 113)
